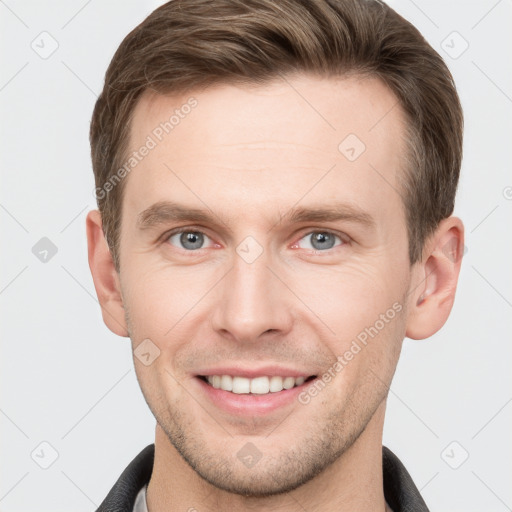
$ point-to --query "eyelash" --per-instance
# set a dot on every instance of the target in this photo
(343, 238)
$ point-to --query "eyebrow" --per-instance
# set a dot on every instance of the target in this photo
(164, 212)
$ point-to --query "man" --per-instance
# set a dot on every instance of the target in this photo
(275, 184)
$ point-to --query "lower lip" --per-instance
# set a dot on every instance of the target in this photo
(251, 404)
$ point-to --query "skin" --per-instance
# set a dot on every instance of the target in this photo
(248, 155)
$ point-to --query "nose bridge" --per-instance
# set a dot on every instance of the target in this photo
(251, 300)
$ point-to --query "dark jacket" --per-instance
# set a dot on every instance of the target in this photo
(399, 489)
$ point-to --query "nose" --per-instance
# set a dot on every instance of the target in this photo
(252, 301)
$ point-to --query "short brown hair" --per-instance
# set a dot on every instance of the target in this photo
(187, 44)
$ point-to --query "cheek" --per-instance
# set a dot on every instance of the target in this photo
(351, 298)
(160, 298)
(363, 311)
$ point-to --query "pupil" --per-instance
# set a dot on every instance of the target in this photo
(191, 240)
(322, 240)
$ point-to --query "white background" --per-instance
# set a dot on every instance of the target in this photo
(67, 381)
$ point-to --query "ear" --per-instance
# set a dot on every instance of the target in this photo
(105, 276)
(435, 280)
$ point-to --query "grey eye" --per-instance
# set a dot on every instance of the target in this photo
(189, 240)
(319, 240)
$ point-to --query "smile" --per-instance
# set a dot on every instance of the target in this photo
(258, 385)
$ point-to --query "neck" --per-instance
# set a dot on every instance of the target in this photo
(353, 482)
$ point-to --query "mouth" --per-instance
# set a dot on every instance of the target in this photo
(261, 385)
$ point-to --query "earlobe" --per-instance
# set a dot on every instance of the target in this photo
(435, 280)
(105, 277)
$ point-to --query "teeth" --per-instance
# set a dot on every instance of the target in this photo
(258, 385)
(226, 382)
(276, 384)
(288, 383)
(241, 385)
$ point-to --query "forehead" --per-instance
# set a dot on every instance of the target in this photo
(269, 144)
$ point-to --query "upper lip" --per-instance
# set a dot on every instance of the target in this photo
(251, 373)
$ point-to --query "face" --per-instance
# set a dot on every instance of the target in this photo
(264, 236)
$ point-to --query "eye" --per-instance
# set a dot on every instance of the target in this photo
(319, 241)
(188, 240)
